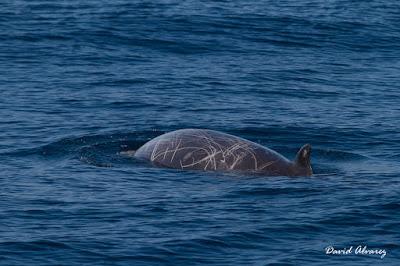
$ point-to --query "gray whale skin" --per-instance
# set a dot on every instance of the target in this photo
(202, 149)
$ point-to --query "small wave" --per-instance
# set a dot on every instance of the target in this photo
(71, 146)
(337, 155)
(37, 245)
(266, 191)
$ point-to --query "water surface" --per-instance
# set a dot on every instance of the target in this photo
(81, 81)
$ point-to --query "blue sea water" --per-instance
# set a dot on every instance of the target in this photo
(81, 81)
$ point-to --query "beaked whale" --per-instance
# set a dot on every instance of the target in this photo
(202, 149)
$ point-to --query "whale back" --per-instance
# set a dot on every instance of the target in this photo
(201, 149)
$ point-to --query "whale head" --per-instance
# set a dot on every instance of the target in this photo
(302, 162)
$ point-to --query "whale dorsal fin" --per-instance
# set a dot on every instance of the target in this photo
(303, 156)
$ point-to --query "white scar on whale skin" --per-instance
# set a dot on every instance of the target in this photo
(156, 154)
(212, 150)
(165, 153)
(176, 149)
(209, 158)
(239, 157)
(266, 165)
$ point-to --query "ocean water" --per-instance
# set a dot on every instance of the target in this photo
(83, 81)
